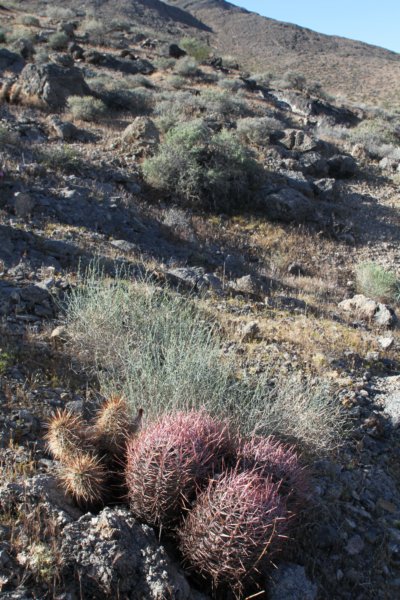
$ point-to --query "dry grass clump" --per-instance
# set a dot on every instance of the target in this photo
(158, 349)
(378, 283)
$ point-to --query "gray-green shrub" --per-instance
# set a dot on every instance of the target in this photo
(195, 48)
(204, 169)
(86, 108)
(58, 40)
(377, 283)
(257, 131)
(158, 349)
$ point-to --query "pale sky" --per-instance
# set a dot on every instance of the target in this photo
(371, 21)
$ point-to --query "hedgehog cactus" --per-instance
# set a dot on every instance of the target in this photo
(65, 435)
(271, 458)
(236, 526)
(169, 460)
(112, 426)
(84, 477)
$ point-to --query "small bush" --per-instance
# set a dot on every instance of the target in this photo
(221, 104)
(123, 94)
(164, 63)
(375, 132)
(96, 30)
(230, 62)
(59, 13)
(377, 283)
(58, 40)
(86, 108)
(60, 158)
(262, 79)
(187, 67)
(174, 108)
(176, 81)
(203, 169)
(257, 131)
(195, 48)
(293, 80)
(30, 21)
(230, 85)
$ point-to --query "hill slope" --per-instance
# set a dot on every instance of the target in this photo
(355, 69)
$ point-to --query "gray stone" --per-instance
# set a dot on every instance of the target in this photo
(312, 163)
(124, 245)
(64, 129)
(10, 61)
(250, 285)
(386, 342)
(112, 555)
(392, 407)
(288, 205)
(52, 84)
(250, 331)
(141, 132)
(298, 141)
(290, 582)
(355, 545)
(341, 166)
(367, 309)
(23, 204)
(326, 188)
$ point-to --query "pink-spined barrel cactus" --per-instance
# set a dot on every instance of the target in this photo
(168, 462)
(234, 530)
(272, 459)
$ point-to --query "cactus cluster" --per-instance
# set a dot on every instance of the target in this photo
(87, 453)
(169, 461)
(228, 501)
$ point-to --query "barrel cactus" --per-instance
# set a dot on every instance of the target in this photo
(235, 528)
(280, 462)
(169, 460)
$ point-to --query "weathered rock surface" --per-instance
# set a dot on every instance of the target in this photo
(52, 84)
(291, 583)
(141, 132)
(367, 309)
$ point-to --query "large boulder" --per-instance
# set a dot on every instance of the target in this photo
(315, 108)
(298, 141)
(341, 166)
(10, 61)
(108, 61)
(289, 205)
(52, 84)
(368, 310)
(111, 555)
(141, 133)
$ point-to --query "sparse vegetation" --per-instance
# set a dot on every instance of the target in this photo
(30, 21)
(59, 13)
(86, 108)
(195, 48)
(58, 40)
(378, 283)
(187, 67)
(257, 131)
(203, 169)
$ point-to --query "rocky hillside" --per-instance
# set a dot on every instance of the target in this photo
(180, 233)
(355, 70)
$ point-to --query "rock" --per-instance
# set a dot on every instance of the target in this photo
(124, 245)
(75, 50)
(58, 333)
(23, 204)
(392, 407)
(312, 163)
(52, 84)
(298, 141)
(367, 309)
(290, 582)
(250, 331)
(341, 166)
(288, 205)
(109, 61)
(175, 52)
(326, 188)
(386, 342)
(10, 61)
(24, 47)
(112, 555)
(285, 303)
(250, 285)
(64, 60)
(355, 545)
(193, 278)
(389, 164)
(315, 108)
(65, 130)
(68, 28)
(141, 132)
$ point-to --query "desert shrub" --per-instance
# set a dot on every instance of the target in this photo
(230, 85)
(187, 67)
(294, 80)
(59, 13)
(221, 104)
(195, 48)
(86, 108)
(176, 81)
(30, 21)
(119, 25)
(174, 108)
(230, 62)
(96, 30)
(164, 63)
(58, 40)
(41, 56)
(377, 283)
(375, 132)
(60, 158)
(158, 350)
(257, 131)
(262, 79)
(203, 169)
(123, 94)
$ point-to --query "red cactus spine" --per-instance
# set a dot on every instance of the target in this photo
(169, 460)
